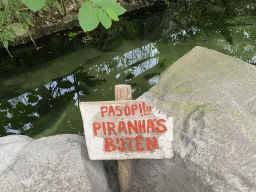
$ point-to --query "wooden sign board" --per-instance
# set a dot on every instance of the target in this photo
(126, 129)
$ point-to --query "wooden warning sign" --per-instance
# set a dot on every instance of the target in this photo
(126, 129)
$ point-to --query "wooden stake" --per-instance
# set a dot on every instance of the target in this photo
(124, 92)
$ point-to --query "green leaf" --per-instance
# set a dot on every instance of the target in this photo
(55, 3)
(5, 44)
(59, 7)
(112, 14)
(109, 4)
(104, 19)
(9, 20)
(72, 34)
(3, 13)
(45, 7)
(25, 25)
(16, 13)
(1, 20)
(34, 5)
(8, 36)
(97, 7)
(88, 17)
(12, 31)
(25, 17)
(114, 1)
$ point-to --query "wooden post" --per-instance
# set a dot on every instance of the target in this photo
(95, 116)
(124, 92)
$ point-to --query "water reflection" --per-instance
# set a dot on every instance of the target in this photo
(38, 103)
(140, 66)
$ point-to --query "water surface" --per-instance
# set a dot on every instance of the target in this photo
(42, 98)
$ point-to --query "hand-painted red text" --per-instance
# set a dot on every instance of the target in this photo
(117, 111)
(110, 146)
(138, 127)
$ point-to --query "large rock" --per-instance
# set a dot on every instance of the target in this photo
(55, 163)
(212, 99)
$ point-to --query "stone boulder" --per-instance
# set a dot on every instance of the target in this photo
(212, 99)
(55, 163)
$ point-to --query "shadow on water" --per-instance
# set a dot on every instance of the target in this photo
(45, 99)
(40, 90)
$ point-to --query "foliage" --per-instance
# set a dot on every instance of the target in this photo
(90, 14)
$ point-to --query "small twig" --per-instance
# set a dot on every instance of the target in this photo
(220, 16)
(24, 9)
(33, 41)
(76, 2)
(9, 53)
(63, 5)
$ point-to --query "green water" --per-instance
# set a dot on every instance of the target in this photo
(42, 98)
